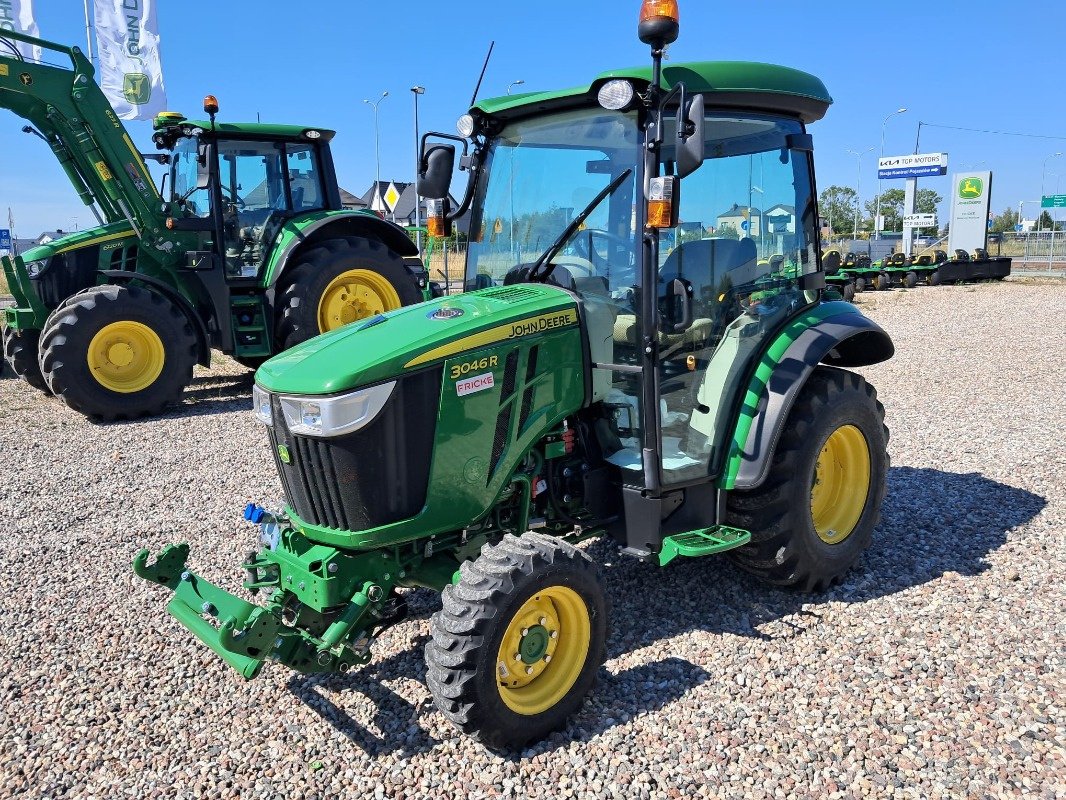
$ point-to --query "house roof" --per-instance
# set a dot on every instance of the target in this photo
(738, 211)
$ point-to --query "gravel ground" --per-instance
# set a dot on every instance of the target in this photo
(935, 670)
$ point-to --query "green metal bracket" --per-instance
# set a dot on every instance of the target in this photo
(705, 542)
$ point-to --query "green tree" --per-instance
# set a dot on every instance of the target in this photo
(838, 206)
(1005, 222)
(726, 231)
(1045, 223)
(926, 201)
(891, 209)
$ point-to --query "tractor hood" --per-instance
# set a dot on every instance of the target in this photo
(385, 346)
(76, 241)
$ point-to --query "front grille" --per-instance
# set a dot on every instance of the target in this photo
(66, 274)
(374, 476)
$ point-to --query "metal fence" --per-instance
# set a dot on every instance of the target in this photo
(1037, 252)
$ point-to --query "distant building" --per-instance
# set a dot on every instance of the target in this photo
(744, 219)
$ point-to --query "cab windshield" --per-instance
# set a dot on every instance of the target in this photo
(542, 173)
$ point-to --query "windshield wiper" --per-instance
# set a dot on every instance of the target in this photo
(570, 230)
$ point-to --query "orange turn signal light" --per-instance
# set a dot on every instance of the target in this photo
(659, 214)
(435, 227)
(170, 223)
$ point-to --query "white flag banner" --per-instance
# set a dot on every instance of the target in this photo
(17, 15)
(127, 43)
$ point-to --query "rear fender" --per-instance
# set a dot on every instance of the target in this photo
(841, 340)
(306, 231)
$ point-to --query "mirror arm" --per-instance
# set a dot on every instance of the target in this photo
(473, 166)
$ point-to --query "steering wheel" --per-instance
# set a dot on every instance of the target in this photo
(582, 244)
(232, 197)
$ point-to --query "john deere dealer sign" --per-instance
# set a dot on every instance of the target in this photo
(970, 195)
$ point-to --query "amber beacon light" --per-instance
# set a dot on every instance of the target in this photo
(659, 22)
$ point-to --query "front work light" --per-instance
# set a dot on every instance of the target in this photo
(615, 95)
(659, 23)
(465, 126)
(335, 416)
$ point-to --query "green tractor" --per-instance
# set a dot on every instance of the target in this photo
(591, 382)
(248, 251)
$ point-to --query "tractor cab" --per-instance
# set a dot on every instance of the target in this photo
(680, 292)
(237, 184)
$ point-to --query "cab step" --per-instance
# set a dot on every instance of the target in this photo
(703, 542)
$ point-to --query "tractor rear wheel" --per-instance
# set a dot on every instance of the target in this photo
(117, 352)
(911, 280)
(519, 640)
(20, 351)
(814, 515)
(340, 281)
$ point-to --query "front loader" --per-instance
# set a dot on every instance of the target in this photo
(248, 250)
(601, 376)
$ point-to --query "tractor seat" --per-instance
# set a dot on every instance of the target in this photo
(713, 267)
(960, 255)
(980, 254)
(925, 260)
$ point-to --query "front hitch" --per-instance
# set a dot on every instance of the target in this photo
(324, 610)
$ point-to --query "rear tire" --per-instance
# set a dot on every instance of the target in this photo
(849, 292)
(934, 278)
(911, 280)
(814, 515)
(20, 352)
(535, 596)
(340, 281)
(117, 352)
(860, 285)
(882, 281)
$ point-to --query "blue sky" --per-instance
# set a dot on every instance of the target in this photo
(985, 65)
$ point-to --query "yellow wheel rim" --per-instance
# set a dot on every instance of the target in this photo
(841, 484)
(543, 650)
(126, 356)
(355, 294)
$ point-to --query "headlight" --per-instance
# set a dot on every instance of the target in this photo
(261, 405)
(465, 126)
(35, 268)
(335, 416)
(615, 95)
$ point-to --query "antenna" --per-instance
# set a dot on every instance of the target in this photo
(484, 67)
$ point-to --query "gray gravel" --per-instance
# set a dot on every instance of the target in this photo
(935, 670)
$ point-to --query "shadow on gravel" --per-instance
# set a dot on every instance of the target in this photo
(933, 522)
(215, 394)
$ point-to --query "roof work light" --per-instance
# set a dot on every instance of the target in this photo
(659, 23)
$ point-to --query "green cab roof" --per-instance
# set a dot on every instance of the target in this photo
(251, 130)
(726, 84)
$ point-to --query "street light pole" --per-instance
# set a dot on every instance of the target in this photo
(858, 180)
(377, 144)
(1043, 174)
(877, 204)
(518, 82)
(416, 91)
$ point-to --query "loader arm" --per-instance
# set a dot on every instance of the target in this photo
(92, 145)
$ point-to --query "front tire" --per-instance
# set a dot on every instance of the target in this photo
(911, 279)
(117, 352)
(860, 285)
(849, 292)
(338, 282)
(519, 640)
(814, 515)
(20, 352)
(934, 279)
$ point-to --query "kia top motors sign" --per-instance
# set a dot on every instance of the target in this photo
(915, 166)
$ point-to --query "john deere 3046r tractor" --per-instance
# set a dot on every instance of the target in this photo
(606, 375)
(247, 250)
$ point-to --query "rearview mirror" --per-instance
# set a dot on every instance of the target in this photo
(435, 170)
(690, 150)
